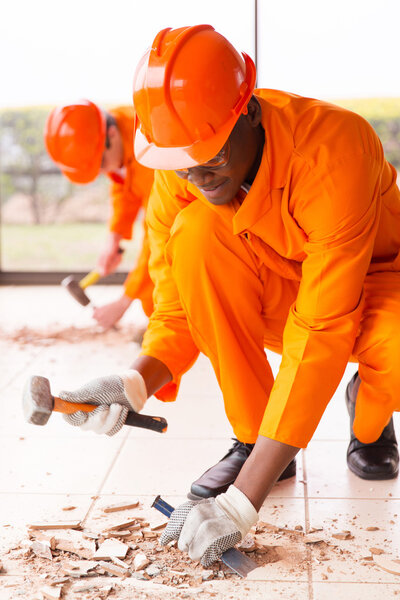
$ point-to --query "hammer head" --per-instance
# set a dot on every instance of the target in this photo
(37, 400)
(72, 285)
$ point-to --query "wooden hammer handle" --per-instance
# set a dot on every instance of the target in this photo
(68, 408)
(133, 419)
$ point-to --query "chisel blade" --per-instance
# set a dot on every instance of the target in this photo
(238, 562)
(232, 558)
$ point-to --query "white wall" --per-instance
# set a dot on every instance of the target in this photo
(330, 49)
(55, 51)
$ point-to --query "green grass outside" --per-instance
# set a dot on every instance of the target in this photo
(372, 108)
(66, 247)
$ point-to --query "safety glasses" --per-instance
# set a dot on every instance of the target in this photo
(217, 162)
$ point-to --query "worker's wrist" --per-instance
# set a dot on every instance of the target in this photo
(238, 508)
(134, 388)
(114, 236)
(126, 300)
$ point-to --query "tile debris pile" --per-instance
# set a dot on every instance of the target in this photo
(121, 558)
(48, 336)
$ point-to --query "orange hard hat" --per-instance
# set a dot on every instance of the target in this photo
(75, 136)
(190, 88)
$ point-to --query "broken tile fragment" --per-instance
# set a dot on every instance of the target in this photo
(42, 548)
(149, 535)
(343, 535)
(119, 562)
(58, 525)
(140, 561)
(153, 570)
(124, 525)
(77, 543)
(387, 564)
(207, 574)
(80, 568)
(376, 551)
(121, 506)
(248, 544)
(51, 593)
(155, 525)
(114, 569)
(109, 548)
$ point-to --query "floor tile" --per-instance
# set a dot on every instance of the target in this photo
(56, 465)
(287, 543)
(329, 477)
(45, 468)
(252, 590)
(20, 509)
(346, 558)
(355, 591)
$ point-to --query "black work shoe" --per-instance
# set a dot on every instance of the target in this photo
(218, 478)
(378, 460)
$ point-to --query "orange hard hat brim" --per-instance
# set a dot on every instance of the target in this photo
(170, 159)
(85, 175)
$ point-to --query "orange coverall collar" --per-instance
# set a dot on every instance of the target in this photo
(273, 171)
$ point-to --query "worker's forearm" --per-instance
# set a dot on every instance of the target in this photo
(154, 372)
(263, 467)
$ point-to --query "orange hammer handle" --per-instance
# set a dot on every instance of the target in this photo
(68, 408)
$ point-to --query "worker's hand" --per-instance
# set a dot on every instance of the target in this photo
(110, 313)
(207, 528)
(111, 255)
(115, 396)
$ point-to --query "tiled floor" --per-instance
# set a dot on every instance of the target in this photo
(43, 469)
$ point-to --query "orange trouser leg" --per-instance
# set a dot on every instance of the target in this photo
(377, 350)
(138, 283)
(229, 300)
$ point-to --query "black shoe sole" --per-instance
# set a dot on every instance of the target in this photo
(195, 498)
(371, 476)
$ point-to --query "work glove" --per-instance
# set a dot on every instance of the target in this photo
(207, 528)
(115, 396)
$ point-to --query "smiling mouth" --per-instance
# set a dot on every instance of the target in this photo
(212, 188)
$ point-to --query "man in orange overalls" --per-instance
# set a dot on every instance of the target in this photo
(84, 141)
(274, 220)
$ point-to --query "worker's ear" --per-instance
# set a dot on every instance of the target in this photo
(112, 131)
(254, 112)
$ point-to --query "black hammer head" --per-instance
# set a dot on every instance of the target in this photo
(37, 400)
(72, 285)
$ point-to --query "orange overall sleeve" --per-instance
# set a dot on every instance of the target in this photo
(125, 207)
(138, 283)
(167, 337)
(338, 208)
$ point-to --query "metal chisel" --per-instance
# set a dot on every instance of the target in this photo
(235, 560)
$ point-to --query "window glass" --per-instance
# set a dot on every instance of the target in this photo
(61, 52)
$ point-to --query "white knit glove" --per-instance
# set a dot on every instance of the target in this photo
(115, 396)
(207, 528)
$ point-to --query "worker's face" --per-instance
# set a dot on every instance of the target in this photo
(219, 180)
(113, 155)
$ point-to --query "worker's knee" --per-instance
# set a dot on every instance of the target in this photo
(195, 235)
(379, 362)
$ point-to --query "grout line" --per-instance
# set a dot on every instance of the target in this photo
(110, 468)
(307, 526)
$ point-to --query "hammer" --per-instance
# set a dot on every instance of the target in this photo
(38, 404)
(77, 288)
